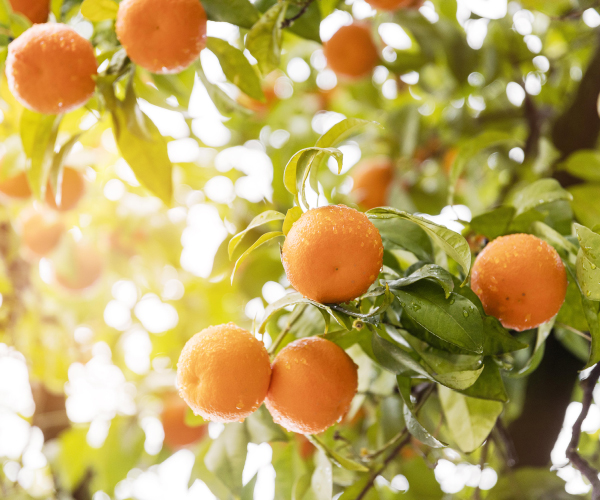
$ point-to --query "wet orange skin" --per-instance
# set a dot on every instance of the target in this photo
(332, 254)
(521, 280)
(312, 385)
(50, 69)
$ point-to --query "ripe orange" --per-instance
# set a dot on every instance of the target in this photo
(223, 373)
(16, 186)
(520, 280)
(35, 10)
(395, 4)
(332, 254)
(50, 69)
(162, 36)
(73, 187)
(372, 182)
(85, 269)
(351, 52)
(312, 385)
(40, 235)
(177, 432)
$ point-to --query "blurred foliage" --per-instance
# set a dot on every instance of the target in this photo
(496, 114)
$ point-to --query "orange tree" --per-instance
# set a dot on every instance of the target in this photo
(427, 328)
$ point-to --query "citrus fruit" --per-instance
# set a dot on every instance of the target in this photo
(50, 69)
(350, 52)
(35, 10)
(520, 280)
(41, 235)
(223, 373)
(177, 432)
(162, 36)
(332, 254)
(372, 181)
(16, 186)
(395, 4)
(312, 385)
(73, 187)
(83, 268)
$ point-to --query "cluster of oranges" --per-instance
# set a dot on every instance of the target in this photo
(51, 69)
(42, 231)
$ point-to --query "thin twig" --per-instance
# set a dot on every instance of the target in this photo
(574, 330)
(292, 319)
(288, 22)
(384, 465)
(575, 458)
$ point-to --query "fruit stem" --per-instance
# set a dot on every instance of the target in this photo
(292, 318)
(574, 330)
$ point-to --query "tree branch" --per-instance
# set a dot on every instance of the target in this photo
(288, 22)
(576, 459)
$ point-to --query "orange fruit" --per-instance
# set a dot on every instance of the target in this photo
(306, 448)
(332, 254)
(395, 4)
(73, 187)
(177, 432)
(223, 373)
(35, 10)
(312, 385)
(86, 268)
(372, 181)
(40, 235)
(50, 69)
(351, 52)
(520, 280)
(162, 36)
(16, 186)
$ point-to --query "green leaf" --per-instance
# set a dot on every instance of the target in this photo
(584, 164)
(418, 431)
(591, 311)
(292, 215)
(431, 272)
(140, 144)
(264, 39)
(236, 67)
(553, 237)
(306, 26)
(590, 243)
(528, 483)
(470, 420)
(248, 489)
(263, 239)
(225, 104)
(239, 12)
(489, 385)
(543, 332)
(321, 483)
(99, 10)
(56, 169)
(341, 131)
(227, 456)
(335, 457)
(297, 298)
(298, 168)
(494, 223)
(262, 429)
(588, 277)
(406, 235)
(539, 193)
(586, 203)
(455, 320)
(259, 220)
(452, 243)
(38, 136)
